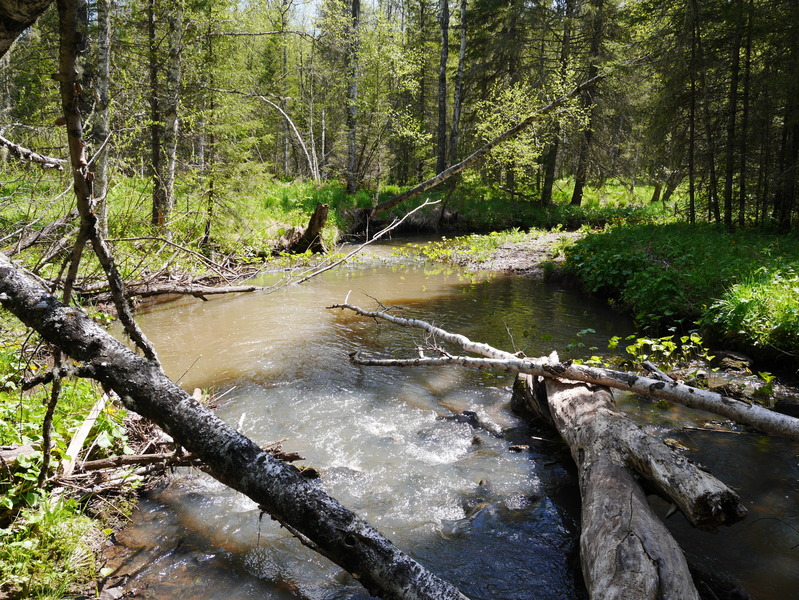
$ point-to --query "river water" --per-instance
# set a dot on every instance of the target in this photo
(453, 492)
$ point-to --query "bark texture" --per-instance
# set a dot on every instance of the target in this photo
(311, 238)
(625, 550)
(318, 520)
(586, 418)
(15, 17)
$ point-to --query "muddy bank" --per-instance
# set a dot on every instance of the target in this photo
(536, 258)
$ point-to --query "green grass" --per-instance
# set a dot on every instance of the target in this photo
(760, 312)
(49, 552)
(741, 285)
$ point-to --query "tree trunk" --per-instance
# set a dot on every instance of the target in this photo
(786, 185)
(69, 86)
(102, 128)
(714, 212)
(585, 415)
(16, 17)
(156, 166)
(311, 238)
(457, 100)
(744, 158)
(550, 158)
(589, 104)
(625, 550)
(171, 122)
(441, 138)
(732, 115)
(353, 33)
(303, 508)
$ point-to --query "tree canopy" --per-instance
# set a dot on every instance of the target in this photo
(397, 91)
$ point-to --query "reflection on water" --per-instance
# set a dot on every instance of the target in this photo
(498, 524)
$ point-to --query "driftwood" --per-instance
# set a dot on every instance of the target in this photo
(594, 421)
(741, 411)
(317, 520)
(625, 550)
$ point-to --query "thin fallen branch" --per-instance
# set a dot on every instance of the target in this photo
(740, 411)
(48, 162)
(215, 265)
(168, 459)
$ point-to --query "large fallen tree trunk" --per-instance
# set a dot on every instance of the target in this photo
(741, 411)
(592, 421)
(318, 520)
(625, 550)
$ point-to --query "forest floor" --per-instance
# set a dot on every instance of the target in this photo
(527, 258)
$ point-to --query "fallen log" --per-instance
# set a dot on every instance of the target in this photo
(47, 162)
(740, 411)
(315, 518)
(593, 421)
(625, 550)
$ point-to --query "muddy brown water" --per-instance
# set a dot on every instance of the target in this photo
(499, 524)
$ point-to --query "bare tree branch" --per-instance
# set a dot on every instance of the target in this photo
(741, 411)
(47, 162)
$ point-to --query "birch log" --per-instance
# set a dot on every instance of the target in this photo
(318, 520)
(741, 411)
(593, 420)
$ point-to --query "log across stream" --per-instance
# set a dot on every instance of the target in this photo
(496, 523)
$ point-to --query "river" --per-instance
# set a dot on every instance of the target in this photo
(458, 496)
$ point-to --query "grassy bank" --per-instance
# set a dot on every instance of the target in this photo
(742, 287)
(50, 541)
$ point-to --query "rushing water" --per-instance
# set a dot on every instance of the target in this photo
(498, 523)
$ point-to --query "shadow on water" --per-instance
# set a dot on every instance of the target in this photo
(497, 523)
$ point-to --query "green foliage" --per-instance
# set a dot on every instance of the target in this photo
(671, 273)
(21, 417)
(476, 246)
(761, 311)
(667, 352)
(48, 552)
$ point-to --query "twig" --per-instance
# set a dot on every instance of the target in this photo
(202, 257)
